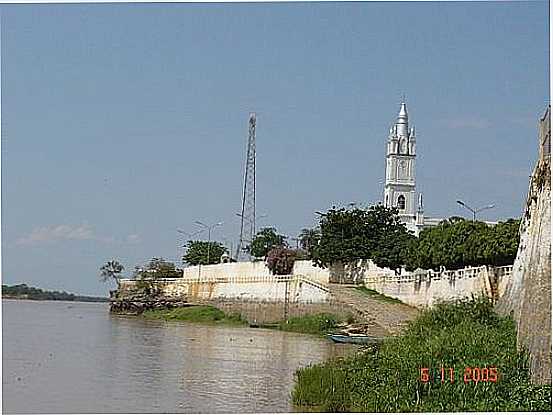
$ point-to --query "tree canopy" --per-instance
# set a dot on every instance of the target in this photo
(203, 252)
(456, 243)
(350, 234)
(265, 240)
(157, 268)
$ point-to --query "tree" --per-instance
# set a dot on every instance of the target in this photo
(280, 260)
(265, 240)
(350, 234)
(203, 252)
(309, 239)
(456, 243)
(157, 268)
(111, 270)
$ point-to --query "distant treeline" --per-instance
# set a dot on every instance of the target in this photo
(22, 291)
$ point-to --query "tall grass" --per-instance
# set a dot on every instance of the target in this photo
(466, 333)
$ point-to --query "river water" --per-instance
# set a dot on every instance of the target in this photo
(71, 357)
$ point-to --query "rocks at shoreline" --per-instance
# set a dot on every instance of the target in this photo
(137, 304)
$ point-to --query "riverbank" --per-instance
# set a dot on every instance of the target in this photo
(476, 348)
(317, 324)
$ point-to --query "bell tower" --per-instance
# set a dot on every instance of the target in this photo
(399, 188)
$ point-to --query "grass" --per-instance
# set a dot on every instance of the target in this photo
(319, 324)
(376, 295)
(198, 314)
(466, 333)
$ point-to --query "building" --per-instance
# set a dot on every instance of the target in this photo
(400, 183)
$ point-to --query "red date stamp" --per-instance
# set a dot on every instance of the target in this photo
(469, 375)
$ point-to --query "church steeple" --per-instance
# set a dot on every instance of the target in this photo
(399, 189)
(402, 121)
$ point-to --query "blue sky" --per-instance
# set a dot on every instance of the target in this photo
(121, 123)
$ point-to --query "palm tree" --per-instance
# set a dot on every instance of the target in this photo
(111, 271)
(309, 238)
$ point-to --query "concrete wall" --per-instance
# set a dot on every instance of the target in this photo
(253, 270)
(252, 281)
(240, 288)
(425, 288)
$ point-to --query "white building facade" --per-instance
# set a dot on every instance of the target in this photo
(400, 183)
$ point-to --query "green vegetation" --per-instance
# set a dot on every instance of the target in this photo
(456, 243)
(375, 233)
(157, 268)
(22, 291)
(203, 252)
(265, 240)
(197, 314)
(321, 323)
(309, 239)
(376, 295)
(459, 335)
(111, 271)
(347, 235)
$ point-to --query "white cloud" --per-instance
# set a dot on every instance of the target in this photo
(57, 233)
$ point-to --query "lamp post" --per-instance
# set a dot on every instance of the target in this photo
(209, 228)
(475, 211)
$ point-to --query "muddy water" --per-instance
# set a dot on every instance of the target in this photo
(61, 357)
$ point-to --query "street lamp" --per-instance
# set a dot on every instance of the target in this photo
(209, 228)
(475, 211)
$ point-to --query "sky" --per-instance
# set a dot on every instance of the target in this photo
(122, 123)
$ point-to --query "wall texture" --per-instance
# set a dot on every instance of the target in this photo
(528, 292)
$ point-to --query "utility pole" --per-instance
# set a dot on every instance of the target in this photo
(247, 225)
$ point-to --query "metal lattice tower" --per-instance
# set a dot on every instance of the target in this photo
(247, 226)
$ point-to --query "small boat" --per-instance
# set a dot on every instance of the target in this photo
(353, 338)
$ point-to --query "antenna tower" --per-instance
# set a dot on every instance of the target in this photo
(247, 226)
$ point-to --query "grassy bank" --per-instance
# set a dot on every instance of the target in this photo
(460, 335)
(310, 324)
(197, 314)
(319, 324)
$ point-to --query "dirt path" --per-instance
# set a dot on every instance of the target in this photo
(384, 318)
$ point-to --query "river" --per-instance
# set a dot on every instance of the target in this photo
(71, 357)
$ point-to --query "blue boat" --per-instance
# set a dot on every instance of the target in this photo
(355, 338)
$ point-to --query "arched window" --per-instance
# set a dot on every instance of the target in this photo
(401, 202)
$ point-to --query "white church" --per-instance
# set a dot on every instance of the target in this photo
(400, 183)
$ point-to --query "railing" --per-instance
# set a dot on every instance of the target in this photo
(429, 275)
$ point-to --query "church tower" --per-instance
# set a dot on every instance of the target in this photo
(399, 188)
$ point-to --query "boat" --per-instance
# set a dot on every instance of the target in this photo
(354, 338)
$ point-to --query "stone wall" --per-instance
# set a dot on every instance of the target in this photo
(528, 292)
